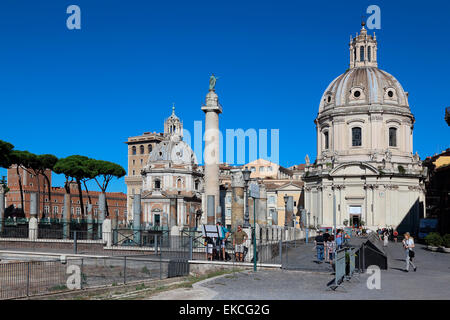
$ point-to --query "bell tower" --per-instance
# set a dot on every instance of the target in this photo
(363, 49)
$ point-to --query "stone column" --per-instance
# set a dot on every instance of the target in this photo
(101, 212)
(137, 219)
(237, 198)
(261, 206)
(107, 232)
(212, 110)
(89, 221)
(210, 210)
(173, 220)
(33, 223)
(289, 211)
(66, 216)
(192, 216)
(274, 217)
(2, 207)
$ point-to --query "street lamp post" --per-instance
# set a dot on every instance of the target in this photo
(246, 174)
(286, 198)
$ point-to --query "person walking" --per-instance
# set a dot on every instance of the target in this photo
(385, 239)
(331, 246)
(339, 239)
(319, 243)
(326, 236)
(223, 240)
(238, 242)
(408, 245)
(395, 235)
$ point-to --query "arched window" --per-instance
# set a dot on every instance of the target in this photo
(179, 183)
(326, 140)
(392, 137)
(133, 150)
(361, 53)
(141, 149)
(196, 184)
(356, 137)
(368, 53)
(157, 184)
(149, 148)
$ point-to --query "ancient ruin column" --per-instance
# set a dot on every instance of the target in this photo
(66, 216)
(89, 221)
(237, 198)
(289, 211)
(173, 220)
(261, 206)
(2, 207)
(137, 219)
(274, 218)
(212, 110)
(101, 213)
(210, 210)
(33, 223)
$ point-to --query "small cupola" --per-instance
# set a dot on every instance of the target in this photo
(363, 49)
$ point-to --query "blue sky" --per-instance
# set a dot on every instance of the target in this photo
(72, 91)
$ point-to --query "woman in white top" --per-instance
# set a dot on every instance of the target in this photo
(331, 246)
(385, 239)
(408, 244)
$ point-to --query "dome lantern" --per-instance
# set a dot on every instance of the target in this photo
(363, 49)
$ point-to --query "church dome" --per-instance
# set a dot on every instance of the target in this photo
(173, 150)
(362, 86)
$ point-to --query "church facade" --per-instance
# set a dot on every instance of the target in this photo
(171, 181)
(365, 169)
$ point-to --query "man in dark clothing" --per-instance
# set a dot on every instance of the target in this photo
(319, 242)
(326, 236)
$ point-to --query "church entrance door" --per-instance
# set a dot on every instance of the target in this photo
(355, 215)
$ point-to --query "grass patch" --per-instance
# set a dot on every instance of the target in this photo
(140, 287)
(58, 287)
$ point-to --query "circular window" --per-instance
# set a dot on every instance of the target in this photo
(357, 94)
(390, 93)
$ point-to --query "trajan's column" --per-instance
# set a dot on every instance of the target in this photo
(212, 110)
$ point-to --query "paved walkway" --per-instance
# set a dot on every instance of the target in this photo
(431, 281)
(304, 257)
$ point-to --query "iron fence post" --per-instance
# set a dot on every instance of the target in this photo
(295, 239)
(160, 259)
(287, 252)
(75, 242)
(156, 243)
(191, 248)
(280, 245)
(81, 280)
(28, 279)
(125, 270)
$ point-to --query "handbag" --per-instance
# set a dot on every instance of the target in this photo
(411, 254)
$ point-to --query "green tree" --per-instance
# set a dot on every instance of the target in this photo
(75, 168)
(5, 151)
(22, 159)
(43, 163)
(104, 172)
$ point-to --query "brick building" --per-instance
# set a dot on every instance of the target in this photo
(53, 206)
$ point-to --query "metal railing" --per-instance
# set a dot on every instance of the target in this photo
(22, 279)
(30, 278)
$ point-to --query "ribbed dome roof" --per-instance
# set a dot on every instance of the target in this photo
(173, 150)
(362, 86)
